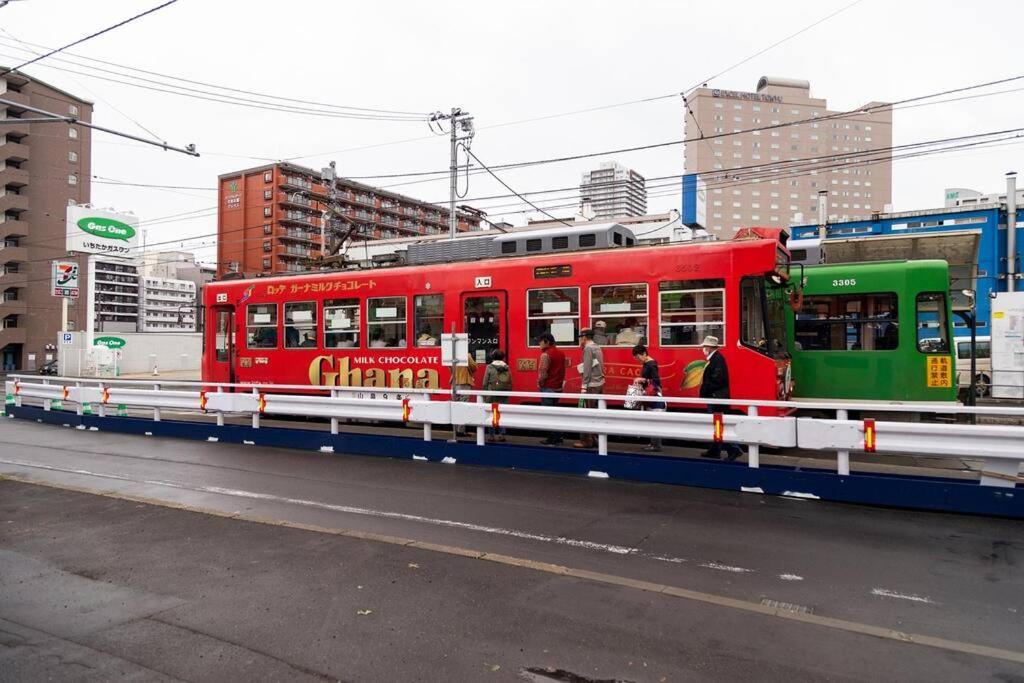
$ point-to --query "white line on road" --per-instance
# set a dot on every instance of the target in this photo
(725, 568)
(884, 593)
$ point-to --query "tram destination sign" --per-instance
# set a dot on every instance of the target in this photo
(542, 272)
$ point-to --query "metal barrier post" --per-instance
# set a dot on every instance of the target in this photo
(427, 431)
(46, 401)
(220, 413)
(256, 413)
(102, 404)
(480, 429)
(334, 420)
(602, 439)
(842, 457)
(156, 410)
(79, 409)
(754, 449)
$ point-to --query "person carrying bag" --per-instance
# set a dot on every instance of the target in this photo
(650, 382)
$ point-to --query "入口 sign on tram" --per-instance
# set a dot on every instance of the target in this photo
(96, 231)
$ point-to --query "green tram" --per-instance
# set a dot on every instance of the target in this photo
(877, 330)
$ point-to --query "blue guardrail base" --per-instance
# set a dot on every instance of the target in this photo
(886, 490)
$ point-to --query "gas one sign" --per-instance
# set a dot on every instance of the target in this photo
(97, 231)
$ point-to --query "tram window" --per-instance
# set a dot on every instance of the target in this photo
(428, 319)
(533, 245)
(618, 314)
(261, 326)
(561, 242)
(848, 322)
(341, 323)
(555, 310)
(222, 336)
(300, 325)
(385, 322)
(932, 323)
(508, 247)
(588, 240)
(691, 310)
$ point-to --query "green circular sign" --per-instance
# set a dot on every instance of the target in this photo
(106, 228)
(109, 342)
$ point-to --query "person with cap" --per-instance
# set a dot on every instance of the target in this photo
(715, 384)
(601, 336)
(591, 379)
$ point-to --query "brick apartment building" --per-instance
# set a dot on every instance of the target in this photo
(269, 218)
(44, 167)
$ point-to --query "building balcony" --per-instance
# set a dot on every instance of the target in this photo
(306, 237)
(12, 335)
(17, 177)
(13, 279)
(300, 219)
(16, 254)
(14, 151)
(103, 269)
(13, 228)
(13, 202)
(19, 97)
(16, 307)
(294, 199)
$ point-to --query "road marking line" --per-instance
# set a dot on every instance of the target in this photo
(599, 577)
(791, 577)
(725, 568)
(882, 592)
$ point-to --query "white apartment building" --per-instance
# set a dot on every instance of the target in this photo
(613, 191)
(765, 155)
(962, 196)
(166, 305)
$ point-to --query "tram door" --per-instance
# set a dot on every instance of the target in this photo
(483, 319)
(223, 337)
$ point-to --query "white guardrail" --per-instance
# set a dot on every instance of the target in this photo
(1000, 447)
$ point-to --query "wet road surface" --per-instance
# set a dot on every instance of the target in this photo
(404, 570)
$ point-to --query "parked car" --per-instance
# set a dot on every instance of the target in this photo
(48, 368)
(983, 364)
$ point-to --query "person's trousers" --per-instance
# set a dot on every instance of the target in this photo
(716, 448)
(591, 439)
(465, 398)
(553, 436)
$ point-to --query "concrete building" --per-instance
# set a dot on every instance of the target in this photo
(613, 191)
(269, 218)
(166, 305)
(962, 196)
(772, 176)
(44, 167)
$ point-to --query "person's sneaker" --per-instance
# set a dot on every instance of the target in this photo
(734, 456)
(580, 444)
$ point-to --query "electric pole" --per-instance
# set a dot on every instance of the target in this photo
(461, 135)
(328, 176)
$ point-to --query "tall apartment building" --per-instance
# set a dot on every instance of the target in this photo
(269, 218)
(772, 177)
(613, 191)
(43, 168)
(166, 305)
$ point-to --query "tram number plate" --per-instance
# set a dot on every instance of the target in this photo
(552, 271)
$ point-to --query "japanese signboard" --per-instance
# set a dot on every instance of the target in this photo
(97, 231)
(939, 374)
(64, 279)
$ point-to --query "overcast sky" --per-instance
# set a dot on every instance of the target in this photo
(505, 62)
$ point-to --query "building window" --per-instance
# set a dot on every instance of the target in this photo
(268, 229)
(266, 211)
(428, 319)
(73, 109)
(72, 179)
(300, 325)
(266, 245)
(268, 194)
(618, 314)
(268, 176)
(266, 264)
(73, 133)
(386, 322)
(261, 326)
(555, 310)
(72, 157)
(689, 310)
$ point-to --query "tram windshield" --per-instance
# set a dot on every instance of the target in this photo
(763, 316)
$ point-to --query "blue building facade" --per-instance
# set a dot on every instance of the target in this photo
(987, 223)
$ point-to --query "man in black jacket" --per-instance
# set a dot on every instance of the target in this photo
(715, 384)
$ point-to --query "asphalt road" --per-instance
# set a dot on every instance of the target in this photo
(374, 569)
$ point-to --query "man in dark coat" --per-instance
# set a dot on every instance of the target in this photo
(715, 384)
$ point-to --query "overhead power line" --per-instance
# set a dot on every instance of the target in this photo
(88, 37)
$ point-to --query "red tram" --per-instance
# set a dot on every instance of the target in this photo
(381, 328)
